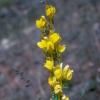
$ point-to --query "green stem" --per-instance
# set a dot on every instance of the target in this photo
(55, 96)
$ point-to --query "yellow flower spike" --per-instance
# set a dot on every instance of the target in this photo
(50, 11)
(52, 80)
(50, 44)
(58, 72)
(57, 88)
(42, 44)
(54, 37)
(61, 48)
(49, 64)
(41, 23)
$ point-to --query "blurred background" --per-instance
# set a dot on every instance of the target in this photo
(22, 76)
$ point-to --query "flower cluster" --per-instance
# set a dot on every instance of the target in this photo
(50, 44)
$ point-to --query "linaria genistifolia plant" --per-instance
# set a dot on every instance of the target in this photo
(50, 43)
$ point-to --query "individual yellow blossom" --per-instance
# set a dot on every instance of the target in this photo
(61, 48)
(58, 72)
(67, 73)
(54, 37)
(49, 64)
(65, 97)
(52, 80)
(57, 88)
(41, 23)
(42, 44)
(50, 11)
(46, 44)
(65, 69)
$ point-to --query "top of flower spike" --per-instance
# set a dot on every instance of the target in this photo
(50, 11)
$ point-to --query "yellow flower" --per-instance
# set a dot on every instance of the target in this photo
(50, 11)
(58, 72)
(42, 44)
(49, 64)
(54, 37)
(46, 44)
(65, 69)
(41, 23)
(67, 73)
(50, 45)
(57, 88)
(52, 80)
(61, 48)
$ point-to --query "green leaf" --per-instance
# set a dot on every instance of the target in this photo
(67, 85)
